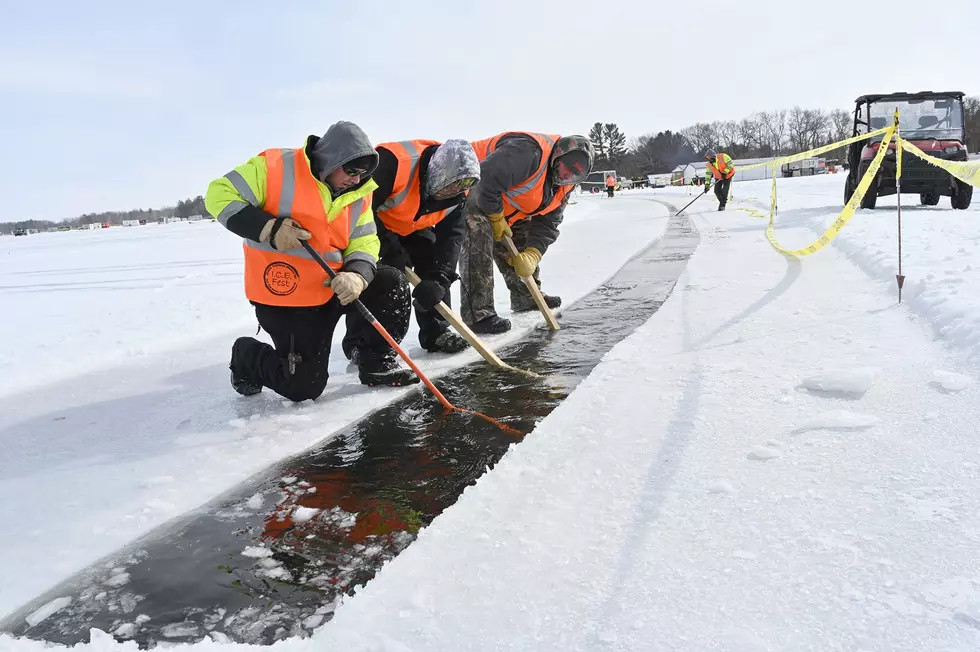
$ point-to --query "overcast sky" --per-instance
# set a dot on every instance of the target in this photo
(113, 105)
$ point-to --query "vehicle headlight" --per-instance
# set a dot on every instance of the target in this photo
(952, 149)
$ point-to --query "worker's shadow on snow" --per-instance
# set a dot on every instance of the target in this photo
(659, 478)
(792, 218)
(793, 270)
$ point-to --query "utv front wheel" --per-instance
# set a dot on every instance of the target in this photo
(871, 197)
(962, 195)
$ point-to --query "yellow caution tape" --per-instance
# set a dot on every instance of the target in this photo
(967, 172)
(852, 205)
(813, 152)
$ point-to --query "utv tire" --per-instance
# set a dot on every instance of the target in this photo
(848, 189)
(962, 195)
(871, 197)
(929, 198)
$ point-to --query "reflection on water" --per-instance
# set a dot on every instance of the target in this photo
(272, 559)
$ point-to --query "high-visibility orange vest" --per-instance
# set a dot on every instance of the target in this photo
(398, 211)
(721, 162)
(525, 199)
(610, 180)
(293, 278)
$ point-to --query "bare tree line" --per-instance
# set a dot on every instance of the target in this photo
(770, 133)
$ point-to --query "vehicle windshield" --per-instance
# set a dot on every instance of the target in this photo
(941, 119)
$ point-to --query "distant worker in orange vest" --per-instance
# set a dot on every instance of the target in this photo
(610, 184)
(320, 193)
(720, 167)
(525, 182)
(418, 211)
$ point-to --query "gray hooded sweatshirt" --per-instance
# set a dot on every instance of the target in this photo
(343, 142)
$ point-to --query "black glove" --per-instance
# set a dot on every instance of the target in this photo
(706, 186)
(428, 293)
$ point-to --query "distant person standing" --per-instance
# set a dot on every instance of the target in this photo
(610, 184)
(721, 168)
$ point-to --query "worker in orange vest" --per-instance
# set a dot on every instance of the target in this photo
(721, 168)
(418, 210)
(610, 184)
(320, 193)
(525, 182)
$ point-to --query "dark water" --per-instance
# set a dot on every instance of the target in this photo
(317, 526)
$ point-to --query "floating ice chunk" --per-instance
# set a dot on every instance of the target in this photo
(256, 552)
(255, 502)
(48, 609)
(304, 514)
(840, 420)
(179, 630)
(312, 622)
(126, 630)
(118, 579)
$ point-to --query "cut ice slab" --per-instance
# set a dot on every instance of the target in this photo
(839, 420)
(844, 383)
(48, 609)
(950, 381)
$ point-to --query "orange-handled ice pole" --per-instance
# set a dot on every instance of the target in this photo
(369, 316)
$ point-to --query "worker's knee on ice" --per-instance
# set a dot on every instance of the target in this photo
(388, 294)
(387, 280)
(306, 383)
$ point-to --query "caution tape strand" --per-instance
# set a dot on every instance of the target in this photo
(819, 150)
(845, 216)
(967, 172)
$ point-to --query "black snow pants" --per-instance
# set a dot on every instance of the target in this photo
(296, 367)
(721, 191)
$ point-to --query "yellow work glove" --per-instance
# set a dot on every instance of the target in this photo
(347, 286)
(525, 262)
(500, 226)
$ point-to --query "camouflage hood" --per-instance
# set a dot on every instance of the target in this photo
(452, 161)
(567, 145)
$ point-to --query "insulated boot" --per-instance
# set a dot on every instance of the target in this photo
(384, 371)
(239, 380)
(491, 325)
(525, 303)
(447, 342)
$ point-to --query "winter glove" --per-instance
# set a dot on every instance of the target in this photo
(706, 186)
(347, 286)
(284, 234)
(428, 293)
(526, 262)
(500, 226)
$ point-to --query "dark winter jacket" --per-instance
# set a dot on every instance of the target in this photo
(516, 158)
(445, 237)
